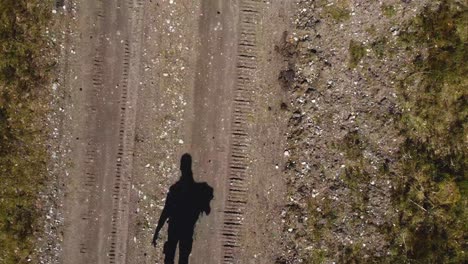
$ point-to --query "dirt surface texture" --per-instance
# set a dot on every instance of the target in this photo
(290, 110)
(349, 171)
(141, 83)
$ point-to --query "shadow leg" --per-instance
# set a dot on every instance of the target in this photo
(185, 248)
(169, 250)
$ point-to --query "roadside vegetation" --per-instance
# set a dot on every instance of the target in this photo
(432, 190)
(380, 170)
(24, 69)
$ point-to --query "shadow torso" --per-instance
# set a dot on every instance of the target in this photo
(186, 201)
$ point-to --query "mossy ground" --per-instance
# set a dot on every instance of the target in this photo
(23, 106)
(432, 190)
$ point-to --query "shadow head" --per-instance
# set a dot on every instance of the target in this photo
(186, 165)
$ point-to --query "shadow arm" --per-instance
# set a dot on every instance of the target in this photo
(162, 219)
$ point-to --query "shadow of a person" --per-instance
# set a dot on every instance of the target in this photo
(185, 202)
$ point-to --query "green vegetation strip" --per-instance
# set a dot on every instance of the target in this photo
(432, 194)
(24, 69)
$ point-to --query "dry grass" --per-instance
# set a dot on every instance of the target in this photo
(433, 184)
(23, 105)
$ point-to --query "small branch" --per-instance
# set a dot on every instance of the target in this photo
(418, 205)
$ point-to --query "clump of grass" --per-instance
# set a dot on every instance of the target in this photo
(23, 97)
(355, 175)
(321, 216)
(339, 10)
(431, 196)
(388, 10)
(325, 216)
(371, 30)
(338, 13)
(379, 46)
(353, 145)
(351, 254)
(356, 52)
(316, 256)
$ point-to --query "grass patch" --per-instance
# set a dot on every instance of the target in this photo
(321, 218)
(317, 256)
(23, 105)
(339, 10)
(353, 144)
(351, 254)
(378, 47)
(432, 192)
(356, 52)
(388, 10)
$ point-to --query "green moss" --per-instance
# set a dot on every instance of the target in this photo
(356, 52)
(23, 100)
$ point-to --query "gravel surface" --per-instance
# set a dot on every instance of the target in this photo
(341, 82)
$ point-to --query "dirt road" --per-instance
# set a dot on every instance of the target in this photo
(148, 81)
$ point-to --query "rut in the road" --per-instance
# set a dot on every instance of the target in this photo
(240, 138)
(119, 184)
(91, 180)
(117, 245)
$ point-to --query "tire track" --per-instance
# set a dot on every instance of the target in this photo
(117, 246)
(237, 190)
(91, 183)
(99, 225)
(120, 183)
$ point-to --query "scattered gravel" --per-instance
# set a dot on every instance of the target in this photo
(341, 130)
